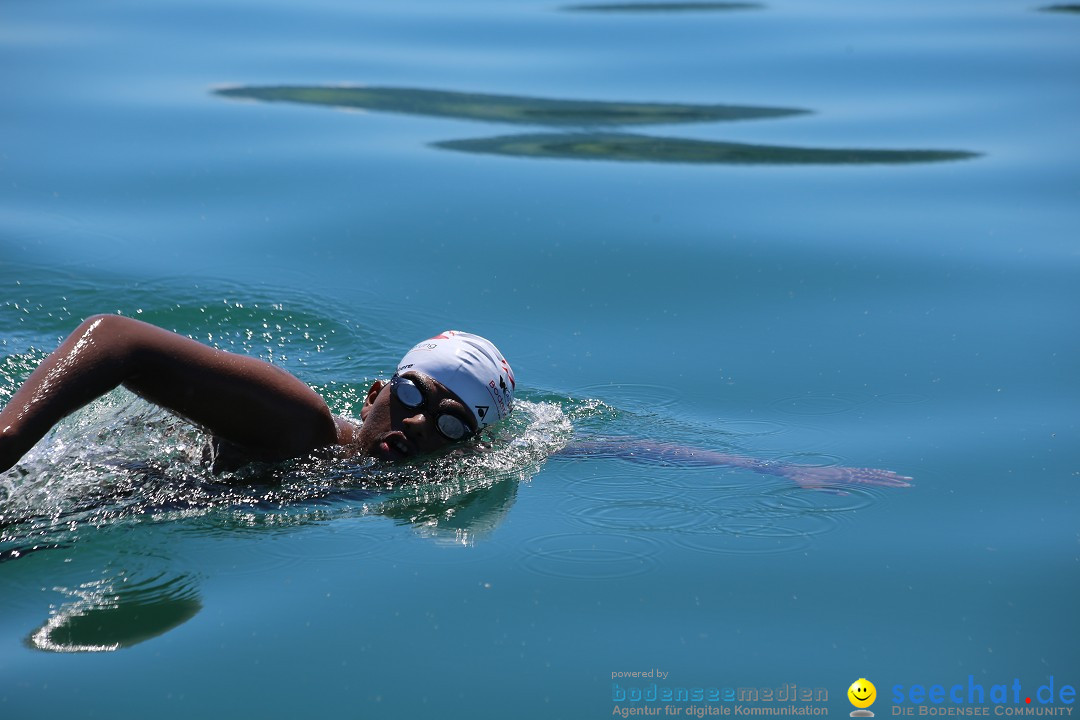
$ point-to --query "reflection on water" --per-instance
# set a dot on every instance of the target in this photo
(459, 517)
(117, 612)
(504, 108)
(582, 113)
(664, 7)
(591, 556)
(641, 148)
(1061, 8)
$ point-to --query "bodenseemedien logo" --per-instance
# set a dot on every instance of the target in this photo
(862, 695)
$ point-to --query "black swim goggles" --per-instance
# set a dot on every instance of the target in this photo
(411, 395)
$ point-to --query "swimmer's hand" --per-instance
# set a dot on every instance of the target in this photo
(835, 478)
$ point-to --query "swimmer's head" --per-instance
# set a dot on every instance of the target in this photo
(470, 367)
(446, 388)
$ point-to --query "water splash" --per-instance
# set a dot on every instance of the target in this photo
(122, 460)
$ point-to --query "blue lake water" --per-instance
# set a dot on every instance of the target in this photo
(867, 257)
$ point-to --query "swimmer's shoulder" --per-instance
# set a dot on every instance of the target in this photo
(348, 430)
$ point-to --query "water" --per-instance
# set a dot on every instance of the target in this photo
(865, 256)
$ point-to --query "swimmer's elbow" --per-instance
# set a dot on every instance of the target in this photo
(107, 334)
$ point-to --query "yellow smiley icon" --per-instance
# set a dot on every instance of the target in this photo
(862, 693)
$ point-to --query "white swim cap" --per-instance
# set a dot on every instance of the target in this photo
(471, 368)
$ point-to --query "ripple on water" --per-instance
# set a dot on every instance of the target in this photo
(644, 512)
(815, 404)
(635, 396)
(901, 398)
(751, 428)
(773, 520)
(737, 518)
(811, 459)
(261, 540)
(711, 510)
(748, 535)
(590, 556)
(632, 484)
(820, 501)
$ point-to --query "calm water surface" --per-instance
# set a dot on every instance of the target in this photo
(830, 233)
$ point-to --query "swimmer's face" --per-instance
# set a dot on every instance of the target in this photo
(862, 693)
(394, 431)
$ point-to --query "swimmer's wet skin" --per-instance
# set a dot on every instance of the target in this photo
(447, 389)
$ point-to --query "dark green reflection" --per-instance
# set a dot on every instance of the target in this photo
(664, 7)
(641, 148)
(1061, 8)
(115, 614)
(504, 108)
(462, 517)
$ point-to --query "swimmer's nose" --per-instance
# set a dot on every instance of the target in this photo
(416, 427)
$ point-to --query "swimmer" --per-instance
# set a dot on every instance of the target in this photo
(444, 392)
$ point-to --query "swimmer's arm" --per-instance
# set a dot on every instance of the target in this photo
(806, 476)
(245, 401)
